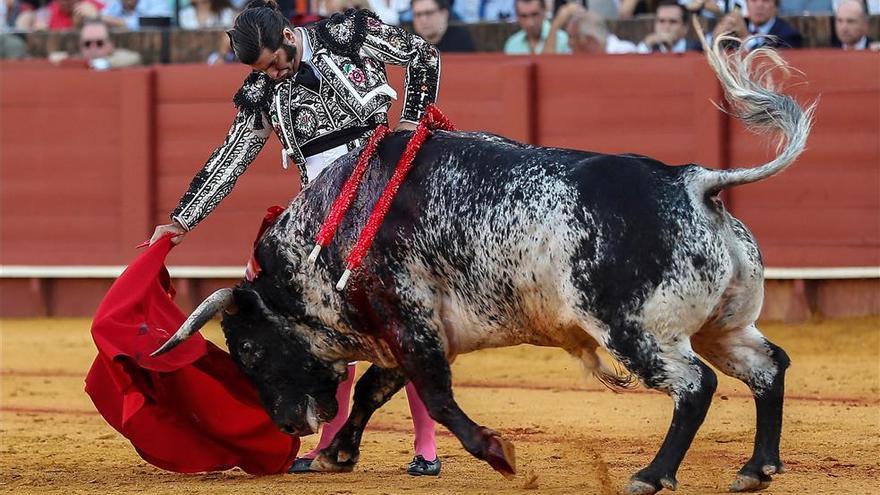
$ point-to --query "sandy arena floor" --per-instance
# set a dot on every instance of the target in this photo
(572, 436)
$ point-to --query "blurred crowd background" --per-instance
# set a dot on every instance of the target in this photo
(117, 33)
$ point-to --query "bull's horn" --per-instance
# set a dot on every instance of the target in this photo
(214, 303)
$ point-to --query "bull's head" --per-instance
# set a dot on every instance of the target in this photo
(297, 388)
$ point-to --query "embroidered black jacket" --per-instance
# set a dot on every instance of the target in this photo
(312, 114)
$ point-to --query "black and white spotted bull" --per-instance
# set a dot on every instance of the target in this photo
(493, 243)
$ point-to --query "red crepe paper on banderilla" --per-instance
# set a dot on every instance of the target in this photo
(190, 410)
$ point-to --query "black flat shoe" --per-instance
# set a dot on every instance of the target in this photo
(420, 467)
(301, 465)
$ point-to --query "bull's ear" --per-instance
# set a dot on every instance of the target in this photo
(248, 300)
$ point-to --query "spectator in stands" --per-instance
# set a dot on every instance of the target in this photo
(61, 15)
(532, 18)
(121, 14)
(805, 7)
(851, 27)
(389, 11)
(712, 9)
(670, 28)
(587, 33)
(127, 13)
(203, 14)
(763, 24)
(223, 54)
(12, 47)
(431, 21)
(484, 10)
(97, 49)
(609, 9)
(16, 15)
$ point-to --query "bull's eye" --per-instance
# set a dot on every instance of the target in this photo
(250, 353)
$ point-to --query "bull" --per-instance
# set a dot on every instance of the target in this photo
(493, 243)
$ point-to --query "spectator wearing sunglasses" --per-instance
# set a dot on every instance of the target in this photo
(97, 49)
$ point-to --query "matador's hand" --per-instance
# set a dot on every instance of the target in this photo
(171, 228)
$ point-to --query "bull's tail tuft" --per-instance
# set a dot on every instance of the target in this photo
(749, 90)
(615, 378)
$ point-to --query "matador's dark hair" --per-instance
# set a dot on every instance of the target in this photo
(260, 25)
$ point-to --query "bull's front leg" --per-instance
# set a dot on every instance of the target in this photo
(424, 362)
(372, 391)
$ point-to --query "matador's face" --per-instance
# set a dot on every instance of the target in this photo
(281, 63)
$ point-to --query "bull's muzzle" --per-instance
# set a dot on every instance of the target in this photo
(309, 424)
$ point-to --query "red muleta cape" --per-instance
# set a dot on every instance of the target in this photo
(189, 410)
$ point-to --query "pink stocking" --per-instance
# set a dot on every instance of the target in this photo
(425, 444)
(343, 398)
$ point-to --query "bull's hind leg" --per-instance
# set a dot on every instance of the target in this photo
(373, 390)
(673, 368)
(747, 355)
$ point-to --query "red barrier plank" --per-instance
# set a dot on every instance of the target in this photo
(67, 143)
(825, 209)
(619, 104)
(485, 92)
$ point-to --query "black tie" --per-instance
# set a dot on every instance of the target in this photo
(307, 77)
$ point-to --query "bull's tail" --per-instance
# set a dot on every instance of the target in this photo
(745, 77)
(615, 378)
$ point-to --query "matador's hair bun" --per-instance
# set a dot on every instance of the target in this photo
(260, 25)
(258, 4)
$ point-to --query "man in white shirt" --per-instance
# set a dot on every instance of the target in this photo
(587, 33)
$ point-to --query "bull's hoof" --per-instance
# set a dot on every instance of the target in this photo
(746, 483)
(755, 475)
(324, 464)
(639, 487)
(777, 468)
(501, 455)
(648, 482)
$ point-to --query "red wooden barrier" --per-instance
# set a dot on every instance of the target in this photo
(657, 106)
(75, 148)
(482, 92)
(825, 209)
(90, 161)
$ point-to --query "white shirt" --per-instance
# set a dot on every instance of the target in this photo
(616, 46)
(680, 46)
(316, 163)
(862, 44)
(760, 32)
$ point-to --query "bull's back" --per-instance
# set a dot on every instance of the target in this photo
(508, 230)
